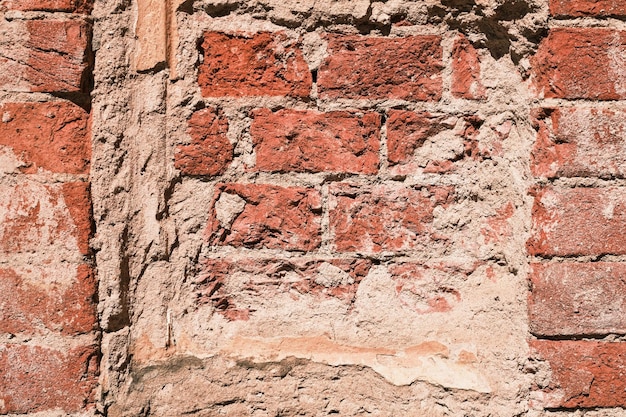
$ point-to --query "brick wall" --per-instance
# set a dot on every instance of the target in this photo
(288, 208)
(49, 353)
(578, 217)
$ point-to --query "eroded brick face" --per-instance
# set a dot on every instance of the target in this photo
(266, 216)
(578, 221)
(385, 218)
(209, 152)
(577, 63)
(72, 6)
(263, 64)
(580, 142)
(575, 8)
(47, 136)
(307, 141)
(402, 68)
(38, 379)
(584, 373)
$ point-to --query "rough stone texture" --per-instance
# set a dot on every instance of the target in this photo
(580, 142)
(578, 221)
(577, 299)
(315, 142)
(581, 63)
(411, 65)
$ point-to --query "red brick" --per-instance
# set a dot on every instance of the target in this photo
(49, 136)
(53, 59)
(384, 218)
(425, 290)
(44, 218)
(210, 152)
(260, 278)
(578, 221)
(71, 6)
(584, 373)
(581, 63)
(266, 216)
(580, 142)
(407, 131)
(263, 64)
(310, 141)
(577, 299)
(564, 8)
(34, 378)
(35, 299)
(466, 82)
(360, 67)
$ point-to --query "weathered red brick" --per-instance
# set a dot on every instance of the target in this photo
(407, 131)
(310, 141)
(577, 299)
(52, 56)
(43, 218)
(57, 55)
(580, 142)
(34, 378)
(584, 373)
(578, 221)
(466, 81)
(263, 64)
(330, 278)
(266, 216)
(68, 310)
(564, 8)
(49, 136)
(425, 290)
(71, 6)
(581, 63)
(384, 218)
(402, 68)
(210, 152)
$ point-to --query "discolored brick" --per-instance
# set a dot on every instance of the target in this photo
(266, 216)
(399, 68)
(49, 136)
(576, 63)
(210, 152)
(310, 141)
(578, 221)
(262, 64)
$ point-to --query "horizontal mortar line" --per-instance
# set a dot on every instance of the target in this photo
(576, 259)
(605, 338)
(18, 15)
(409, 181)
(44, 259)
(51, 340)
(588, 23)
(582, 103)
(581, 182)
(456, 107)
(43, 178)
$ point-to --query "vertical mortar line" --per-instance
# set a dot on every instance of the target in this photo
(325, 220)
